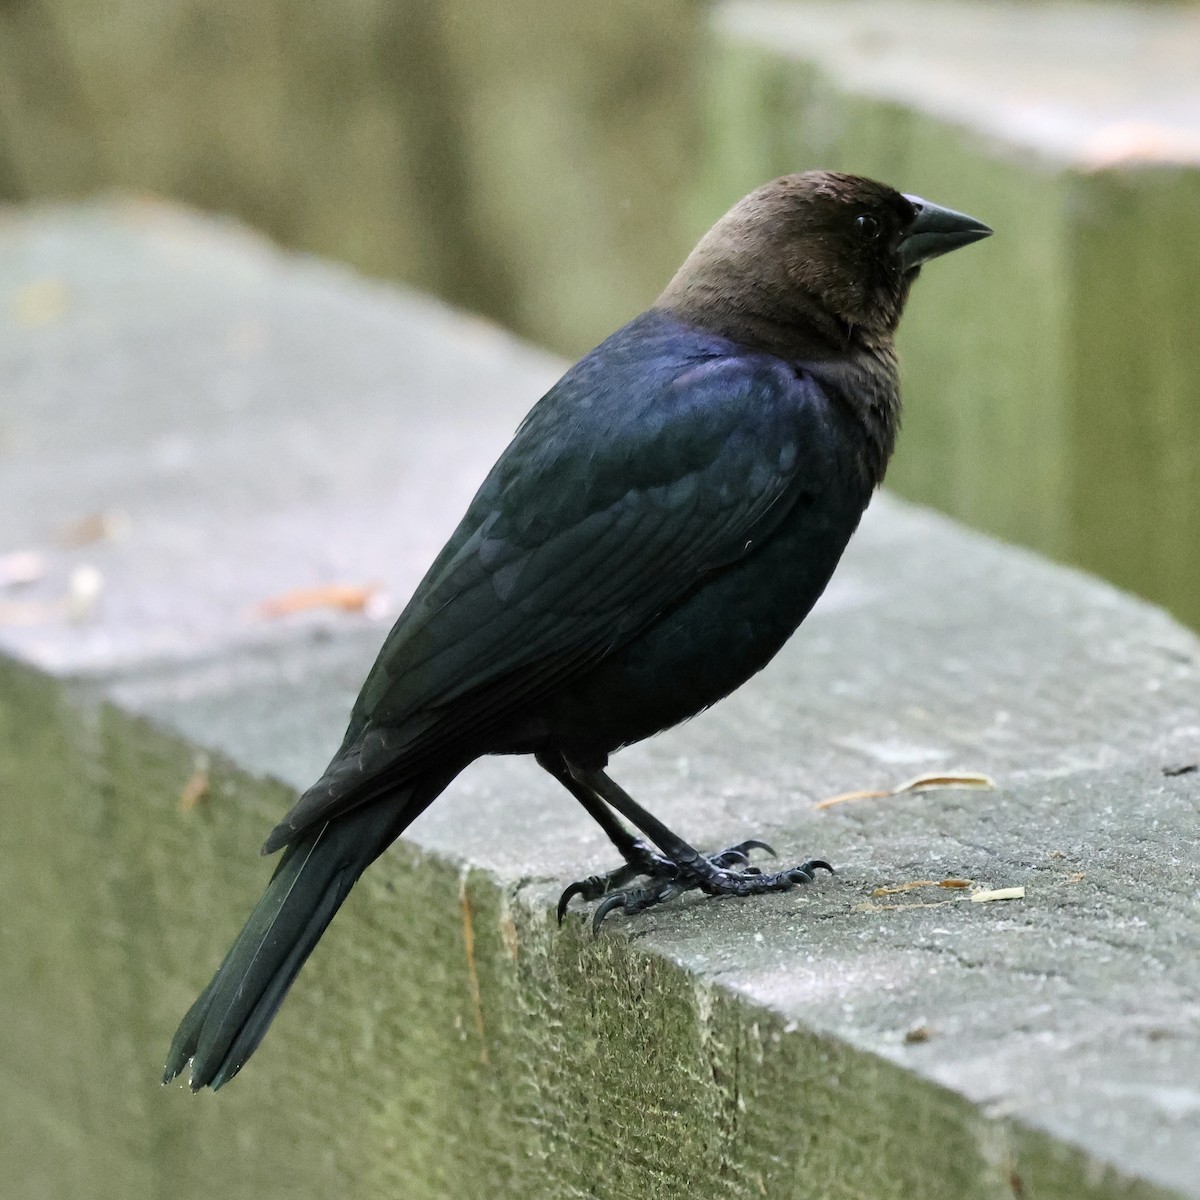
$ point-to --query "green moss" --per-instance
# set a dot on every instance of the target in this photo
(538, 1062)
(1134, 361)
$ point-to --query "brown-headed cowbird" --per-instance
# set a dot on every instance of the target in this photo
(664, 518)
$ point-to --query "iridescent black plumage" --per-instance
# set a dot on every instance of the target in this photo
(660, 524)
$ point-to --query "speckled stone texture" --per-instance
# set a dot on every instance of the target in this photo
(265, 424)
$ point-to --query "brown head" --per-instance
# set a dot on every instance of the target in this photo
(814, 265)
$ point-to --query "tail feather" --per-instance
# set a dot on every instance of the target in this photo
(228, 1020)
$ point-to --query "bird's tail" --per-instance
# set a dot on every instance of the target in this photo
(223, 1028)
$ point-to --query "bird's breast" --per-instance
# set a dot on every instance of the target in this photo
(725, 629)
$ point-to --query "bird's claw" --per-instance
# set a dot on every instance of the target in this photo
(635, 900)
(643, 861)
(739, 855)
(712, 874)
(595, 886)
(754, 882)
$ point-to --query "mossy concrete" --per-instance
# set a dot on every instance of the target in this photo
(267, 423)
(1050, 375)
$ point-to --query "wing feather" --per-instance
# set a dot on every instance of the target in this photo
(587, 529)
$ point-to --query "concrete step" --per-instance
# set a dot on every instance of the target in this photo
(1051, 379)
(263, 423)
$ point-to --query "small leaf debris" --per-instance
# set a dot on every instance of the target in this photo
(966, 888)
(346, 597)
(921, 883)
(1013, 893)
(108, 525)
(21, 567)
(464, 900)
(84, 586)
(928, 782)
(1172, 772)
(196, 790)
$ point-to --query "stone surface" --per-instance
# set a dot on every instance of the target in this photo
(1050, 373)
(265, 424)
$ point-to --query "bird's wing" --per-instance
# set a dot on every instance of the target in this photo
(589, 526)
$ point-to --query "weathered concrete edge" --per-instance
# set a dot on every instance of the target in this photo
(1028, 121)
(513, 933)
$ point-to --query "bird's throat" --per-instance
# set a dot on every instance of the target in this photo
(866, 383)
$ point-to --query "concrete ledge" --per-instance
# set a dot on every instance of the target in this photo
(266, 423)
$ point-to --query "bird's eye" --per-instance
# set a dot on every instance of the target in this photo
(867, 225)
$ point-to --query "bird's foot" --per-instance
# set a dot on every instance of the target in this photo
(641, 860)
(711, 874)
(727, 873)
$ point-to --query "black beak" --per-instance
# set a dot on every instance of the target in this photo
(936, 231)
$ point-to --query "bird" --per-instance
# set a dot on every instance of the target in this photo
(664, 518)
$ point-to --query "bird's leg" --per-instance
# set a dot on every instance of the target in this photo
(640, 858)
(687, 867)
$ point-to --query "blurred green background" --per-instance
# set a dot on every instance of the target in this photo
(549, 164)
